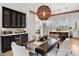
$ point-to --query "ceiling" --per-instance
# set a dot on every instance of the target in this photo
(55, 7)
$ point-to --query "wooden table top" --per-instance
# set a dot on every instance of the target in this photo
(46, 47)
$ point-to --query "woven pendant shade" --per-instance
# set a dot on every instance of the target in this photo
(43, 12)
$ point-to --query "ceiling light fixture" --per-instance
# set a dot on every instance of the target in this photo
(43, 12)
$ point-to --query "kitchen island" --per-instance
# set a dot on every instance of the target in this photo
(61, 34)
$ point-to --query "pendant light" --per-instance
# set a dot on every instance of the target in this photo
(43, 12)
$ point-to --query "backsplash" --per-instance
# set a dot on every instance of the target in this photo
(13, 30)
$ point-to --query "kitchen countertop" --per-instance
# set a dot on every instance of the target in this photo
(13, 34)
(59, 31)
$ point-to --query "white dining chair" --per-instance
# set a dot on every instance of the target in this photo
(19, 50)
(64, 48)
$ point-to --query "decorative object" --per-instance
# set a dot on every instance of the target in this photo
(43, 12)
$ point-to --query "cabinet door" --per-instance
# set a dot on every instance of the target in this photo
(18, 22)
(13, 19)
(24, 37)
(6, 43)
(23, 20)
(6, 18)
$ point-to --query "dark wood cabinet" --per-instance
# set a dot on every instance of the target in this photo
(23, 20)
(6, 18)
(6, 43)
(7, 40)
(24, 38)
(18, 21)
(13, 18)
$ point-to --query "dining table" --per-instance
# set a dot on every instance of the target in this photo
(44, 48)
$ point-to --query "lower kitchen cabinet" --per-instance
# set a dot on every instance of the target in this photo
(7, 40)
(6, 43)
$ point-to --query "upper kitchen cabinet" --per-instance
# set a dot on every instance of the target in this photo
(23, 20)
(6, 18)
(18, 20)
(13, 18)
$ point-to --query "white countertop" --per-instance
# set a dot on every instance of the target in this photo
(59, 31)
(13, 34)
